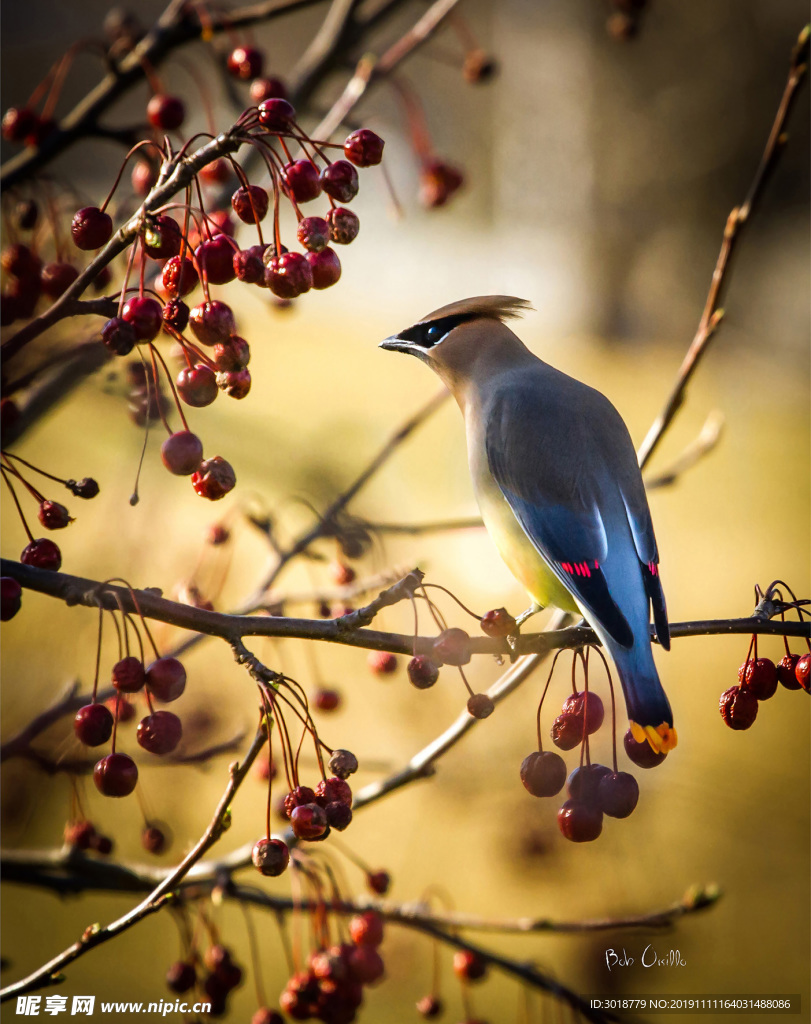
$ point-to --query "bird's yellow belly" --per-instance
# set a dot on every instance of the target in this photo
(517, 551)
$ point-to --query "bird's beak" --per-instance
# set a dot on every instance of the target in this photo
(397, 344)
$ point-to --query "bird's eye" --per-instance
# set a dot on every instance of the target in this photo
(433, 334)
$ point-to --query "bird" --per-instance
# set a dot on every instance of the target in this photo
(559, 487)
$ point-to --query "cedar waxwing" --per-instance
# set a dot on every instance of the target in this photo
(559, 488)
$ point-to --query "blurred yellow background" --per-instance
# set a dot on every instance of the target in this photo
(599, 178)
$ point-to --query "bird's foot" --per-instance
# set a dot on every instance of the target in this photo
(532, 610)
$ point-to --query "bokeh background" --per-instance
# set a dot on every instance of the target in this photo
(598, 179)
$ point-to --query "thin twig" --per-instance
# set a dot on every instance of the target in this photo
(712, 315)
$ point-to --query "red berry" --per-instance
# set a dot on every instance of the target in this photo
(581, 823)
(26, 214)
(326, 700)
(119, 336)
(301, 181)
(128, 675)
(468, 966)
(165, 112)
(452, 647)
(235, 383)
(760, 678)
(325, 267)
(289, 275)
(249, 265)
(214, 479)
(363, 148)
(84, 488)
(56, 278)
(121, 709)
(145, 314)
(267, 89)
(250, 204)
(382, 663)
(297, 797)
(197, 385)
(331, 790)
(245, 62)
(308, 821)
(217, 172)
(803, 672)
(438, 182)
(617, 794)
(144, 177)
(584, 781)
(162, 238)
(342, 574)
(18, 123)
(642, 754)
(182, 453)
(93, 725)
(366, 929)
(154, 839)
(91, 228)
(43, 554)
(212, 322)
(738, 707)
(115, 775)
(340, 181)
(160, 732)
(543, 773)
(179, 277)
(276, 114)
(430, 1007)
(578, 704)
(233, 354)
(313, 233)
(181, 977)
(479, 705)
(270, 857)
(53, 516)
(365, 965)
(339, 815)
(787, 671)
(422, 672)
(344, 225)
(166, 679)
(10, 598)
(566, 732)
(175, 315)
(379, 882)
(80, 834)
(215, 258)
(20, 261)
(498, 623)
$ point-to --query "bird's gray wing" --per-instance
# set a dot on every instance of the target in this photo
(541, 452)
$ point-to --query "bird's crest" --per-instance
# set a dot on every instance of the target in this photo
(493, 307)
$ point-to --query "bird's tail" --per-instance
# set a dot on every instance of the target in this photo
(648, 707)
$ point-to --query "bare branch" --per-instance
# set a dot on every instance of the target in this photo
(712, 314)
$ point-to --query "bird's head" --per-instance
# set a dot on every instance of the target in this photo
(453, 339)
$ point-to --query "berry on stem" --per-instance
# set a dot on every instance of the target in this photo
(617, 794)
(245, 62)
(56, 278)
(10, 598)
(214, 479)
(166, 679)
(642, 754)
(302, 181)
(91, 228)
(760, 678)
(162, 238)
(543, 773)
(212, 322)
(145, 315)
(119, 336)
(479, 705)
(270, 857)
(468, 966)
(53, 516)
(182, 453)
(313, 233)
(344, 225)
(215, 258)
(276, 114)
(340, 181)
(786, 670)
(197, 385)
(165, 112)
(93, 725)
(452, 647)
(363, 148)
(43, 554)
(160, 732)
(179, 277)
(128, 675)
(738, 707)
(581, 823)
(325, 267)
(115, 775)
(382, 663)
(422, 672)
(250, 204)
(498, 623)
(249, 265)
(802, 672)
(289, 275)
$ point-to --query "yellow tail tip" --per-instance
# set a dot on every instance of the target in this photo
(661, 738)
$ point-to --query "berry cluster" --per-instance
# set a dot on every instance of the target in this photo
(593, 790)
(159, 732)
(330, 988)
(757, 681)
(215, 977)
(40, 552)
